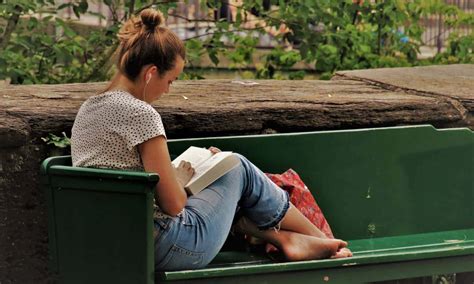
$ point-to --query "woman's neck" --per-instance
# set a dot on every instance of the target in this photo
(121, 82)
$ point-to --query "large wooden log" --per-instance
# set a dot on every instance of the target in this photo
(223, 107)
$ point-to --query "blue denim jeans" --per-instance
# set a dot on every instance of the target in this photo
(194, 238)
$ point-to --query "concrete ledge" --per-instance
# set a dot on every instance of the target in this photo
(439, 95)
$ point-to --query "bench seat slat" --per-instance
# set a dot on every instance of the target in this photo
(366, 251)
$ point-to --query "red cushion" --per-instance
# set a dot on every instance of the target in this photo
(302, 199)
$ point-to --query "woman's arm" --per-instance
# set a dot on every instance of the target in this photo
(170, 192)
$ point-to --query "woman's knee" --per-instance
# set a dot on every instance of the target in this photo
(240, 169)
(245, 163)
(241, 157)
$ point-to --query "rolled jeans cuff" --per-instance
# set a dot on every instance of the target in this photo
(281, 213)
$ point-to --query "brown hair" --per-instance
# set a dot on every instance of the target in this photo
(143, 41)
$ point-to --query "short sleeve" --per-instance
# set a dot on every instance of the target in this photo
(142, 123)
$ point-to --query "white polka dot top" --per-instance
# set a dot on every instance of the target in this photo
(108, 128)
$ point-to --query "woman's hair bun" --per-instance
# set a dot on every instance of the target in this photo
(151, 18)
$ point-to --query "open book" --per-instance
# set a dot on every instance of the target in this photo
(208, 167)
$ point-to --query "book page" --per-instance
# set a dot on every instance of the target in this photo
(202, 168)
(194, 155)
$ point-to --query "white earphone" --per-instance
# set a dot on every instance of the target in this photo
(148, 78)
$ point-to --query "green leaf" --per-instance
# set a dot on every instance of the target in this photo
(298, 75)
(64, 5)
(213, 56)
(57, 141)
(83, 6)
(364, 48)
(325, 76)
(76, 11)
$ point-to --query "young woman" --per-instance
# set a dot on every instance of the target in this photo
(120, 129)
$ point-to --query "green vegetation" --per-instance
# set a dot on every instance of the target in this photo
(329, 35)
(51, 49)
(57, 141)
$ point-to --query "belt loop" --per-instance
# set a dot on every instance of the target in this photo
(163, 221)
(182, 217)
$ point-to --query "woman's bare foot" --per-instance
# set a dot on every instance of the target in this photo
(297, 246)
(342, 253)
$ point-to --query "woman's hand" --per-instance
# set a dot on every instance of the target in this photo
(214, 150)
(184, 173)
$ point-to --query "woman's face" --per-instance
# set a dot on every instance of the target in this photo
(158, 86)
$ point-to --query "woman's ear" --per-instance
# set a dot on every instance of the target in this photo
(149, 73)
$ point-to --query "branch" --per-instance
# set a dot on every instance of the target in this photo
(11, 25)
(354, 17)
(264, 14)
(204, 20)
(40, 65)
(213, 21)
(218, 32)
(155, 3)
(191, 20)
(113, 11)
(131, 8)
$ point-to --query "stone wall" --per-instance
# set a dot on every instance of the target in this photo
(439, 95)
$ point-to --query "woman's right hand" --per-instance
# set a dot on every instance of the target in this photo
(184, 172)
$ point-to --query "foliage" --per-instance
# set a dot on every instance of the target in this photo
(460, 48)
(329, 35)
(50, 49)
(279, 59)
(57, 141)
(347, 34)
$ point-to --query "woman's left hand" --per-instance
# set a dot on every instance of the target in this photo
(214, 150)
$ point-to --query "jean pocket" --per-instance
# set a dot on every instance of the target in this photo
(179, 258)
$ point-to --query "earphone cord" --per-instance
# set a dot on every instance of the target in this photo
(144, 91)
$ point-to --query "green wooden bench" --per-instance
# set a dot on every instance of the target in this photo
(402, 197)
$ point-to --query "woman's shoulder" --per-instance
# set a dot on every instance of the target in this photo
(122, 101)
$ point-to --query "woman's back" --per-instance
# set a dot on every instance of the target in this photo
(108, 128)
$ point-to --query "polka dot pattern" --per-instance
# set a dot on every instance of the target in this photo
(109, 127)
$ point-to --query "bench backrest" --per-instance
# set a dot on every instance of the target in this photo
(372, 182)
